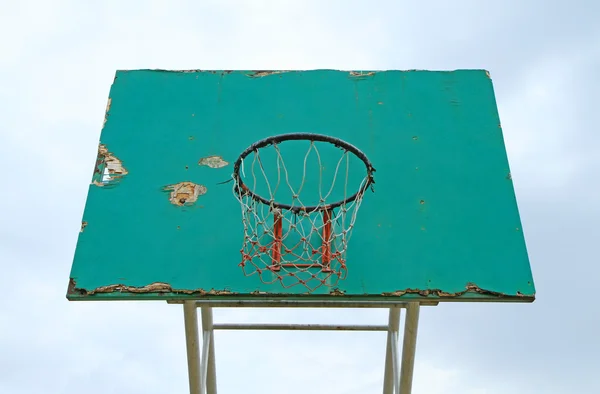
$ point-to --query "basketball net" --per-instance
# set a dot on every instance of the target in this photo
(293, 243)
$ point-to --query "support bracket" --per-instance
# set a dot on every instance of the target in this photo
(398, 372)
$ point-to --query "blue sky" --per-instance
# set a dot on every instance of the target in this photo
(57, 62)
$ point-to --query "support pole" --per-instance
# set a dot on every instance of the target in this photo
(206, 335)
(207, 327)
(190, 316)
(393, 327)
(398, 373)
(396, 364)
(409, 347)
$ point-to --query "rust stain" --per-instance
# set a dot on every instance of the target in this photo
(83, 225)
(156, 287)
(109, 168)
(213, 162)
(337, 292)
(106, 112)
(470, 288)
(72, 287)
(185, 193)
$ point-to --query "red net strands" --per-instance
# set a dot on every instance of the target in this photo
(293, 242)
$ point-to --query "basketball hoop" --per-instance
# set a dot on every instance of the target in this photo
(292, 242)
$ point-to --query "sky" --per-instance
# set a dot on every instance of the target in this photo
(57, 62)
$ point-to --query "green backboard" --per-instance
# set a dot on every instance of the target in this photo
(166, 217)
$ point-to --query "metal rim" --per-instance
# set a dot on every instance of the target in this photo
(300, 137)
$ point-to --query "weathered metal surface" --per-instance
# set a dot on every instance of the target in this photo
(442, 224)
(184, 193)
(213, 162)
(109, 168)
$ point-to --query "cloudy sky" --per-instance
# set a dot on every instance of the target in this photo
(57, 62)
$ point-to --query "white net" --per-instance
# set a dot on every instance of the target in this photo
(301, 241)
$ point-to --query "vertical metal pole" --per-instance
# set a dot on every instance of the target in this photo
(409, 346)
(393, 328)
(206, 335)
(207, 327)
(190, 317)
(396, 363)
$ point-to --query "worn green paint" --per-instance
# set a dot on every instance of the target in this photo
(443, 215)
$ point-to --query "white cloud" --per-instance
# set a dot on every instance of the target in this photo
(540, 118)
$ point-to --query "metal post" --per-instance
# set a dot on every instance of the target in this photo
(206, 335)
(395, 363)
(207, 327)
(190, 316)
(393, 328)
(398, 373)
(408, 347)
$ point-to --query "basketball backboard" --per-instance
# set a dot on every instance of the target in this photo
(167, 215)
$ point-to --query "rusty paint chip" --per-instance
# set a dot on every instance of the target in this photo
(106, 112)
(469, 288)
(151, 288)
(359, 74)
(83, 225)
(264, 73)
(109, 168)
(156, 287)
(213, 162)
(185, 193)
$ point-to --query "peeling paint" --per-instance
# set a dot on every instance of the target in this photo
(83, 225)
(470, 288)
(161, 287)
(109, 169)
(263, 73)
(186, 71)
(487, 73)
(198, 71)
(156, 287)
(185, 193)
(359, 74)
(72, 289)
(107, 109)
(213, 162)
